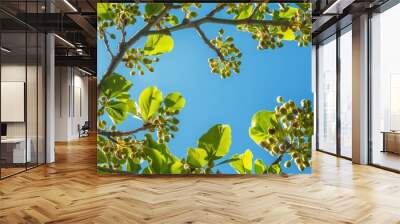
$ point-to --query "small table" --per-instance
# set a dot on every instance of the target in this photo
(391, 141)
(16, 153)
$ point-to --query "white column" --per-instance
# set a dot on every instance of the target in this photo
(50, 100)
(314, 92)
(360, 90)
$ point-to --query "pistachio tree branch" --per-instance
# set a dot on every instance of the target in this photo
(216, 10)
(208, 42)
(214, 20)
(278, 160)
(125, 133)
(124, 46)
(146, 30)
(107, 43)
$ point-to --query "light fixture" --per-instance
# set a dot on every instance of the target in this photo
(337, 7)
(84, 71)
(70, 5)
(5, 50)
(64, 40)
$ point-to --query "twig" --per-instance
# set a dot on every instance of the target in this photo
(125, 133)
(208, 42)
(278, 160)
(124, 46)
(107, 43)
(204, 20)
(216, 10)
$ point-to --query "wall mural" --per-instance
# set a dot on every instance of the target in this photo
(212, 88)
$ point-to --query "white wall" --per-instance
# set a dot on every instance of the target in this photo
(71, 102)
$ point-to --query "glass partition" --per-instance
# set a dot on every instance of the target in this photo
(385, 89)
(327, 95)
(346, 92)
(22, 77)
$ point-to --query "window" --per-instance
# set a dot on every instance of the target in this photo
(385, 89)
(327, 95)
(346, 92)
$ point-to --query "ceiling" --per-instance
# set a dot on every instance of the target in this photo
(74, 22)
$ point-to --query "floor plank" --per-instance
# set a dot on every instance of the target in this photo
(70, 191)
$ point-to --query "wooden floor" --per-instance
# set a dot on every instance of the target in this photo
(70, 191)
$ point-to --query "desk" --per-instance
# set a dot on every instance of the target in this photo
(391, 141)
(13, 150)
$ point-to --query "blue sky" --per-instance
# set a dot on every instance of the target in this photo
(211, 100)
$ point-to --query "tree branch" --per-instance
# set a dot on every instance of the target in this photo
(107, 43)
(216, 10)
(125, 133)
(214, 20)
(278, 160)
(124, 46)
(207, 41)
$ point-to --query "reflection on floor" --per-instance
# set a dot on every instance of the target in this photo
(386, 159)
(8, 170)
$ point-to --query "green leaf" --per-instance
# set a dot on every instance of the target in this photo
(275, 169)
(243, 163)
(149, 102)
(152, 9)
(103, 10)
(245, 12)
(259, 166)
(117, 111)
(158, 44)
(131, 107)
(196, 157)
(176, 167)
(157, 161)
(115, 85)
(132, 165)
(260, 123)
(216, 141)
(101, 157)
(288, 34)
(285, 14)
(173, 20)
(174, 102)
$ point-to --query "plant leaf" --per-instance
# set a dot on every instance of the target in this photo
(103, 10)
(176, 167)
(158, 44)
(132, 107)
(242, 163)
(260, 123)
(216, 141)
(149, 102)
(115, 85)
(152, 9)
(245, 12)
(157, 161)
(101, 157)
(117, 111)
(196, 157)
(259, 167)
(174, 102)
(132, 165)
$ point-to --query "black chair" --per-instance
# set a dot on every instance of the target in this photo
(84, 130)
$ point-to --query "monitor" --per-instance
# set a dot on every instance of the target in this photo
(3, 129)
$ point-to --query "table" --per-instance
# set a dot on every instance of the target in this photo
(391, 141)
(13, 150)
